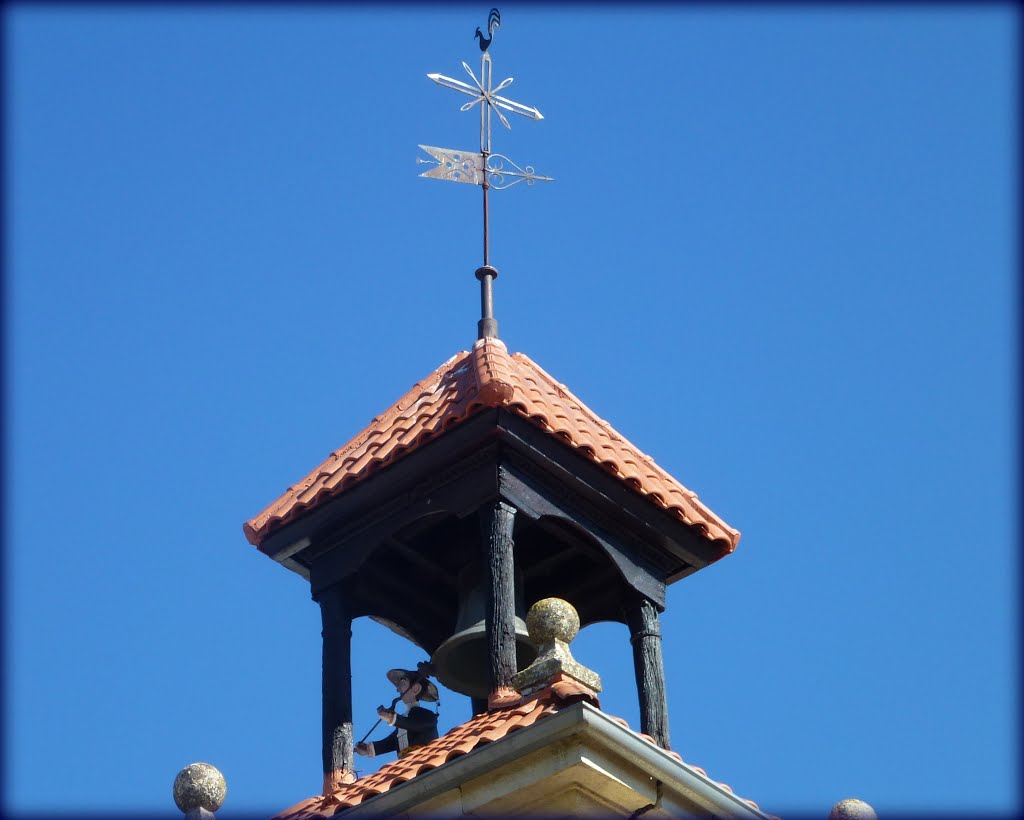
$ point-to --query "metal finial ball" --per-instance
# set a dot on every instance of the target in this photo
(853, 809)
(552, 618)
(199, 785)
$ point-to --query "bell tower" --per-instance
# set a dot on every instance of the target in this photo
(487, 487)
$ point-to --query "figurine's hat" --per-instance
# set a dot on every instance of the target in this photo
(428, 692)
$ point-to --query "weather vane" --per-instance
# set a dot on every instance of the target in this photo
(485, 168)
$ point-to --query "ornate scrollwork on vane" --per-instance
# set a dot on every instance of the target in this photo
(497, 173)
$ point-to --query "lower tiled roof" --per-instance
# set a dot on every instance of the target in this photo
(463, 739)
(479, 730)
(470, 381)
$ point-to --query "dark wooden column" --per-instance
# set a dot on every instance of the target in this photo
(339, 766)
(496, 523)
(645, 635)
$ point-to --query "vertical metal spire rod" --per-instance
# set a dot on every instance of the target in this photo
(488, 325)
(487, 221)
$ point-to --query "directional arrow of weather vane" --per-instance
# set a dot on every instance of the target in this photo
(486, 169)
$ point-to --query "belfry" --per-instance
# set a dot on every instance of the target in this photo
(508, 514)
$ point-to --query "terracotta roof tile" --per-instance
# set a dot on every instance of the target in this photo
(486, 377)
(478, 731)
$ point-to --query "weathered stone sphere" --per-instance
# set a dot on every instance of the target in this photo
(199, 785)
(853, 809)
(552, 618)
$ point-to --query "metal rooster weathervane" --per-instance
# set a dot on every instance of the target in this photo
(486, 169)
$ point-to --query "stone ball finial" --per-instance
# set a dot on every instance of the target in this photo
(552, 619)
(552, 624)
(199, 786)
(852, 809)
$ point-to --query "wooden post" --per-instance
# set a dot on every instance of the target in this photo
(645, 635)
(339, 765)
(500, 616)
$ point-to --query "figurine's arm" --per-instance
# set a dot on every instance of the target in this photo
(379, 747)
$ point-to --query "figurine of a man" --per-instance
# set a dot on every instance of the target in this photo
(417, 726)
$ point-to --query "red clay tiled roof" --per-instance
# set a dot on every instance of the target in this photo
(463, 739)
(487, 377)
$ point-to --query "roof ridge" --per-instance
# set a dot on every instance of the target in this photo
(425, 386)
(334, 463)
(493, 370)
(567, 395)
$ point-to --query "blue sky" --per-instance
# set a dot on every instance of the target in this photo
(778, 256)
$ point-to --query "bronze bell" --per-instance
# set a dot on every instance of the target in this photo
(462, 662)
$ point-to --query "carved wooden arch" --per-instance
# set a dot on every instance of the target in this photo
(589, 526)
(592, 573)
